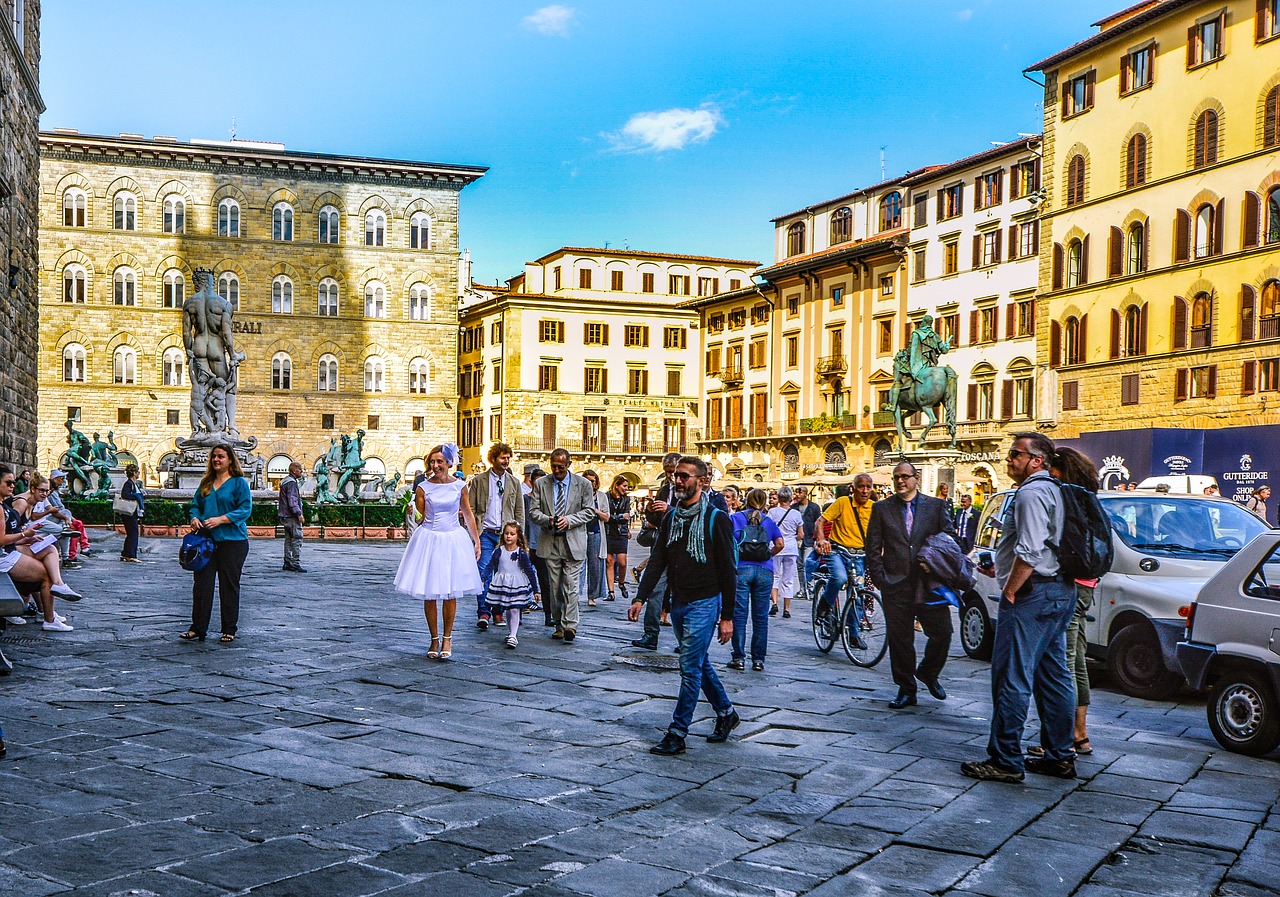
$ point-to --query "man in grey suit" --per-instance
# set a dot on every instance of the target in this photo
(563, 506)
(496, 500)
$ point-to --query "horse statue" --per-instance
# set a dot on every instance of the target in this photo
(934, 386)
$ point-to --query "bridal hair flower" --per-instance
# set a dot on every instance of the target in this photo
(451, 453)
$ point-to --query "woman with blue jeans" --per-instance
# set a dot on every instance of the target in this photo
(755, 582)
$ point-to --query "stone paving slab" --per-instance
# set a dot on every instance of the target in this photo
(323, 754)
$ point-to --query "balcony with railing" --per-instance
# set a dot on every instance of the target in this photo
(831, 366)
(1269, 327)
(730, 374)
(1201, 337)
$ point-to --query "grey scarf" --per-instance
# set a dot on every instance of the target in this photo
(692, 520)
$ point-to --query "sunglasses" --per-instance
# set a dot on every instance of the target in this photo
(1014, 453)
(682, 476)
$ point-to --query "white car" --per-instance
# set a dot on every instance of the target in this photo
(1166, 547)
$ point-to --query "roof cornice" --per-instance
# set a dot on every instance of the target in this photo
(1159, 11)
(894, 242)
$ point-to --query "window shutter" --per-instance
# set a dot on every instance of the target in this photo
(1006, 399)
(1014, 246)
(1010, 320)
(684, 424)
(977, 250)
(1130, 162)
(1252, 212)
(999, 236)
(1260, 23)
(941, 206)
(1248, 378)
(1212, 392)
(999, 194)
(973, 401)
(1035, 236)
(1142, 330)
(1182, 236)
(995, 324)
(1248, 301)
(1124, 73)
(1115, 260)
(1014, 184)
(1219, 226)
(1055, 344)
(606, 334)
(1084, 261)
(1271, 118)
(1191, 52)
(974, 335)
(1065, 94)
(1036, 178)
(1140, 162)
(1115, 333)
(1057, 266)
(1090, 80)
(1082, 347)
(1146, 244)
(1198, 151)
(978, 199)
(1179, 322)
(644, 434)
(1180, 385)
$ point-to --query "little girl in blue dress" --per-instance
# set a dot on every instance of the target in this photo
(513, 586)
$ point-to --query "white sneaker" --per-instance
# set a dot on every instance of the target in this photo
(512, 641)
(56, 626)
(59, 617)
(62, 590)
(16, 621)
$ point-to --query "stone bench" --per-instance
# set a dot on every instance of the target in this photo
(11, 605)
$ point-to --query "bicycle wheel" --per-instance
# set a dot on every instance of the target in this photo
(862, 629)
(826, 621)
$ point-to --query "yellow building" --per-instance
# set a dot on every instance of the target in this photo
(1160, 304)
(343, 271)
(588, 349)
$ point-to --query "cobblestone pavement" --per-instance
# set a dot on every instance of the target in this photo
(324, 754)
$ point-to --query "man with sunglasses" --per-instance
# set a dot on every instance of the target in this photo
(899, 527)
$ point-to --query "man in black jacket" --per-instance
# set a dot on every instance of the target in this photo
(899, 526)
(966, 523)
(695, 551)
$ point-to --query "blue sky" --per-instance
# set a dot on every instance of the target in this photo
(666, 126)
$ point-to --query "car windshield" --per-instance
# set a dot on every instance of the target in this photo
(1181, 525)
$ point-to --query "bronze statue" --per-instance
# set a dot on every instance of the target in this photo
(103, 459)
(352, 466)
(919, 384)
(77, 461)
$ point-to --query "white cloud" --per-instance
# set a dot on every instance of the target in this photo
(964, 15)
(554, 20)
(671, 129)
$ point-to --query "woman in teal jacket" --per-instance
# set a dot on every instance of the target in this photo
(220, 510)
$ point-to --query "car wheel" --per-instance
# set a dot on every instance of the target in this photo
(977, 635)
(1244, 714)
(1136, 663)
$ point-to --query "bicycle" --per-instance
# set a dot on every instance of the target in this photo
(859, 624)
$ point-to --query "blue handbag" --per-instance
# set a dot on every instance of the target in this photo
(196, 550)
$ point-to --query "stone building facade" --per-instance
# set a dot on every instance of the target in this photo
(588, 349)
(20, 108)
(343, 271)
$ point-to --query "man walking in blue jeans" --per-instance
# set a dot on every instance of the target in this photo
(496, 500)
(695, 548)
(1036, 605)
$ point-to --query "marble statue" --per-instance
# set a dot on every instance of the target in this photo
(214, 365)
(920, 384)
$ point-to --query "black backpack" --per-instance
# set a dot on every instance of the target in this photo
(1085, 551)
(753, 541)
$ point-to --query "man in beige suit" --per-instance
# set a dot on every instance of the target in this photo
(563, 505)
(496, 500)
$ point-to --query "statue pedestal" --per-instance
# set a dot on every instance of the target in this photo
(185, 474)
(936, 466)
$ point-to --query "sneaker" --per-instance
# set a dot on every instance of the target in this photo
(31, 610)
(724, 725)
(16, 621)
(512, 641)
(773, 610)
(56, 625)
(757, 665)
(668, 746)
(990, 771)
(65, 591)
(786, 615)
(498, 620)
(1059, 769)
(72, 565)
(483, 623)
(736, 664)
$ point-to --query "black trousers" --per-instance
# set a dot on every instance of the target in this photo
(226, 565)
(900, 614)
(130, 549)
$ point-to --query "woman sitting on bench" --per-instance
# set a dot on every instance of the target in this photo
(22, 568)
(35, 512)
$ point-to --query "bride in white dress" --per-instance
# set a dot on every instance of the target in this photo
(439, 564)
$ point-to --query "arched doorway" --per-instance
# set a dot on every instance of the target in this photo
(835, 459)
(277, 470)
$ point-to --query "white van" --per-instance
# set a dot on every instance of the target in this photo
(1183, 484)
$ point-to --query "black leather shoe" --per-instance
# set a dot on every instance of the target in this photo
(724, 725)
(644, 643)
(1059, 769)
(902, 700)
(935, 688)
(668, 746)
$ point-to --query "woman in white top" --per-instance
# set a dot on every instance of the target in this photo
(791, 522)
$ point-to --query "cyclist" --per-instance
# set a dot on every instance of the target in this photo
(849, 517)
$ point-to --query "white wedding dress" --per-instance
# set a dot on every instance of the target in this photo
(440, 560)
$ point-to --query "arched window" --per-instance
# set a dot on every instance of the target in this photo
(1269, 320)
(175, 289)
(1075, 180)
(1137, 248)
(420, 302)
(1271, 118)
(282, 222)
(74, 204)
(74, 279)
(73, 363)
(328, 374)
(841, 225)
(375, 228)
(419, 375)
(1072, 343)
(328, 305)
(1135, 163)
(891, 211)
(1201, 321)
(328, 225)
(171, 367)
(1204, 237)
(1132, 335)
(1075, 263)
(373, 371)
(124, 367)
(282, 295)
(229, 289)
(375, 300)
(795, 239)
(228, 218)
(420, 231)
(1206, 139)
(125, 206)
(175, 215)
(281, 371)
(1273, 216)
(126, 283)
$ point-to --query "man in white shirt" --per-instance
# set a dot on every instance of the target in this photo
(496, 500)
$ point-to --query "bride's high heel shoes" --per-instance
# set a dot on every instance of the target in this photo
(434, 651)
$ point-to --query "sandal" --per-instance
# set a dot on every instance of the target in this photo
(191, 635)
(591, 602)
(434, 651)
(1083, 747)
(227, 637)
(445, 655)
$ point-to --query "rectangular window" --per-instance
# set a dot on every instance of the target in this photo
(679, 284)
(595, 334)
(991, 248)
(756, 354)
(1024, 179)
(737, 319)
(638, 382)
(636, 336)
(920, 214)
(715, 323)
(282, 420)
(595, 433)
(419, 424)
(837, 341)
(837, 297)
(1129, 389)
(951, 202)
(548, 378)
(793, 306)
(124, 415)
(988, 190)
(1267, 24)
(1026, 317)
(495, 427)
(950, 257)
(635, 434)
(949, 327)
(1136, 69)
(708, 286)
(760, 313)
(326, 422)
(1269, 375)
(1028, 239)
(673, 382)
(675, 338)
(1022, 397)
(734, 284)
(555, 277)
(495, 333)
(615, 281)
(987, 324)
(1203, 382)
(673, 435)
(792, 344)
(497, 378)
(918, 263)
(1204, 41)
(646, 282)
(886, 285)
(595, 380)
(1070, 395)
(884, 329)
(374, 421)
(550, 331)
(1077, 94)
(172, 416)
(713, 360)
(584, 279)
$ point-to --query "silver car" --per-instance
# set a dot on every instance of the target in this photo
(1166, 547)
(1233, 646)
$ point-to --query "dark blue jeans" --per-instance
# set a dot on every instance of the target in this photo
(695, 626)
(841, 564)
(488, 542)
(1030, 659)
(752, 601)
